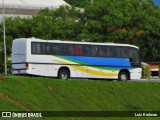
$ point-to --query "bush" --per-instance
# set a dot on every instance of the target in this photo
(146, 72)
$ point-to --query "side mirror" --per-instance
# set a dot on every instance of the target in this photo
(131, 61)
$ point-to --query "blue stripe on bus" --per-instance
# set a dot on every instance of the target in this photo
(115, 62)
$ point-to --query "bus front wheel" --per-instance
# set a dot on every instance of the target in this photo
(123, 76)
(63, 74)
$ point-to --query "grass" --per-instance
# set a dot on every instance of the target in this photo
(20, 93)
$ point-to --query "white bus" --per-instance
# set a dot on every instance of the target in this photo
(65, 59)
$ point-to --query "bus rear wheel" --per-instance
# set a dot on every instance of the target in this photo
(123, 76)
(63, 74)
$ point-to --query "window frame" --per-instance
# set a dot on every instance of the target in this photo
(80, 50)
(112, 56)
(61, 49)
(73, 50)
(115, 55)
(125, 47)
(33, 47)
(51, 48)
(83, 52)
(97, 53)
(43, 50)
(102, 46)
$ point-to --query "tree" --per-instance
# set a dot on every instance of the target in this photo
(134, 22)
(78, 3)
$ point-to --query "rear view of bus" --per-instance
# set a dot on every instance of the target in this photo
(19, 57)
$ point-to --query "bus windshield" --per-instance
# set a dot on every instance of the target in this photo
(134, 57)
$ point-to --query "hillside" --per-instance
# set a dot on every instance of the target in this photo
(48, 94)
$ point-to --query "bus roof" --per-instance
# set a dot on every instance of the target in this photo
(75, 42)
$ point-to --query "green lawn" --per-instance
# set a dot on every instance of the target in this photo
(48, 94)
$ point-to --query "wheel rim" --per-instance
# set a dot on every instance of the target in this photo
(63, 75)
(123, 77)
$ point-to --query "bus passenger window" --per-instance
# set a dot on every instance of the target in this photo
(48, 49)
(70, 50)
(37, 48)
(78, 49)
(118, 52)
(102, 51)
(63, 49)
(43, 46)
(55, 49)
(33, 47)
(94, 50)
(130, 53)
(125, 52)
(109, 51)
(86, 50)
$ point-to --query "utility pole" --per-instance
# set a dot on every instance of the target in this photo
(4, 36)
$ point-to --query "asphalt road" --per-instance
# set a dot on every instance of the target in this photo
(145, 80)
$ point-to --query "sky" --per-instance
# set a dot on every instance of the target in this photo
(157, 2)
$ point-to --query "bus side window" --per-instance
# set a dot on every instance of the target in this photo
(109, 51)
(102, 51)
(125, 52)
(130, 53)
(33, 48)
(37, 48)
(48, 48)
(86, 50)
(71, 50)
(43, 48)
(94, 50)
(63, 49)
(78, 49)
(55, 49)
(118, 52)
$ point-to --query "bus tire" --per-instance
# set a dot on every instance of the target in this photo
(123, 76)
(63, 74)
